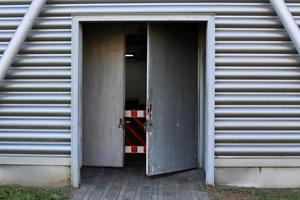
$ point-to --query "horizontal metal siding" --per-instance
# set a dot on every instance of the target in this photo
(35, 96)
(257, 87)
(257, 77)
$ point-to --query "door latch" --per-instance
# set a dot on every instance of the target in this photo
(149, 111)
(149, 124)
(121, 124)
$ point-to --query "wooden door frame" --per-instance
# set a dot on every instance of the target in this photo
(208, 129)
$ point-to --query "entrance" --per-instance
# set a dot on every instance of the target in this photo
(135, 93)
(141, 95)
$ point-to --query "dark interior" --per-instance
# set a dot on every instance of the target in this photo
(135, 94)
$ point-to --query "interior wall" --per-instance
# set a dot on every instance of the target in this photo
(136, 74)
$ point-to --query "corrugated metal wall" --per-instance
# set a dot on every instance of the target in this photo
(257, 86)
(35, 96)
(257, 79)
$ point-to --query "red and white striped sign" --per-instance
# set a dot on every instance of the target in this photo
(135, 149)
(135, 113)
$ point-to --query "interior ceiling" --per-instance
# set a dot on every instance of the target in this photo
(136, 40)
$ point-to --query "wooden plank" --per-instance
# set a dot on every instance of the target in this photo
(108, 185)
(160, 190)
(117, 185)
(124, 186)
(132, 183)
(139, 186)
(147, 188)
(155, 189)
(88, 179)
(169, 191)
(101, 183)
(177, 189)
(185, 192)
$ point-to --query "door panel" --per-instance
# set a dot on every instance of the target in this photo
(103, 94)
(172, 97)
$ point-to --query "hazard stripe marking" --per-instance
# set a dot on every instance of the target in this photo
(141, 125)
(135, 134)
(135, 113)
(135, 149)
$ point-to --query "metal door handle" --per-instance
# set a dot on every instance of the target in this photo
(149, 123)
(121, 124)
(149, 110)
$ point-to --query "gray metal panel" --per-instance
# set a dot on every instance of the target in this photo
(35, 97)
(237, 21)
(103, 94)
(172, 94)
(220, 8)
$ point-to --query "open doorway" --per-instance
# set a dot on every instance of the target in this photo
(135, 93)
(141, 95)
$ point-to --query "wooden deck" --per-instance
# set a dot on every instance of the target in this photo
(131, 183)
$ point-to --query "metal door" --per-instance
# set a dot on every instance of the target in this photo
(103, 94)
(172, 97)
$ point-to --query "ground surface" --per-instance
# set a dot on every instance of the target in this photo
(231, 193)
(131, 183)
(30, 193)
(217, 193)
